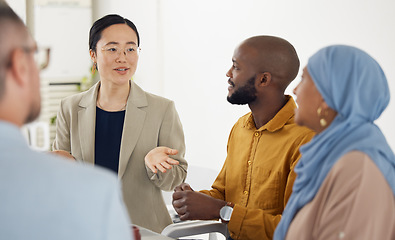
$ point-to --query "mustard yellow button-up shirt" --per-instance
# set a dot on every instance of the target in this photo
(258, 175)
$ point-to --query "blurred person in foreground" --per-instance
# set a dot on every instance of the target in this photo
(42, 195)
(255, 182)
(345, 181)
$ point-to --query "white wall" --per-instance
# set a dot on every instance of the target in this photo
(188, 45)
(19, 6)
(201, 36)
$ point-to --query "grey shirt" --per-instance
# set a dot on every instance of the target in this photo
(46, 197)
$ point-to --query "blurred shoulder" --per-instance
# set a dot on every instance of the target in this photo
(75, 173)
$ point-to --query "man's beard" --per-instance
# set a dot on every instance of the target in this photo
(244, 94)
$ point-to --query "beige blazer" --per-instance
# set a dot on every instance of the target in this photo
(150, 121)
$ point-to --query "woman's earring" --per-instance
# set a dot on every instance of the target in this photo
(94, 68)
(323, 122)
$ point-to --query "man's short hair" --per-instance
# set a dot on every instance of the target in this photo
(8, 19)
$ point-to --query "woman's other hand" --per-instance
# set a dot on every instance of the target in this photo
(158, 159)
(64, 154)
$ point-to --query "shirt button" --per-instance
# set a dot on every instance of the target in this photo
(249, 162)
(245, 192)
(341, 235)
(256, 134)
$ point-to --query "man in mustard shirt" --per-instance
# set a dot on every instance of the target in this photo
(252, 189)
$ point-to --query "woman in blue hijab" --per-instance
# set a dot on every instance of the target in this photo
(346, 176)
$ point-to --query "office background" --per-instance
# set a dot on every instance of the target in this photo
(187, 46)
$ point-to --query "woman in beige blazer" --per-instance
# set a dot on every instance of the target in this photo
(143, 122)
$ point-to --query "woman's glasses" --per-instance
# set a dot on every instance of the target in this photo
(115, 51)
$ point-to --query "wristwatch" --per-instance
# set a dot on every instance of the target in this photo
(226, 212)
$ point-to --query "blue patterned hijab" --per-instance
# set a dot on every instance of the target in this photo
(354, 85)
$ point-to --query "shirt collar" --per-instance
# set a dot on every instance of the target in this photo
(278, 121)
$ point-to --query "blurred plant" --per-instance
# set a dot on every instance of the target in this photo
(87, 81)
(52, 120)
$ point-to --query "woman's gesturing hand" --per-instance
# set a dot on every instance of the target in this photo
(158, 159)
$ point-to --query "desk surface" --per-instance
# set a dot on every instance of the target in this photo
(150, 235)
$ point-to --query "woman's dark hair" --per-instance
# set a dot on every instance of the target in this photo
(103, 23)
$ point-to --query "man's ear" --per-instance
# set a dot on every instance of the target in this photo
(19, 66)
(264, 78)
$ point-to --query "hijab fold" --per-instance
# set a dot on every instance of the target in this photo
(354, 85)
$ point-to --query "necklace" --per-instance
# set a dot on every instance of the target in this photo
(123, 108)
